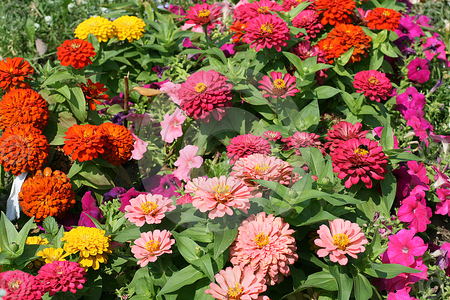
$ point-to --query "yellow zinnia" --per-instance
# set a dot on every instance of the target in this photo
(129, 27)
(92, 244)
(49, 255)
(101, 28)
(36, 240)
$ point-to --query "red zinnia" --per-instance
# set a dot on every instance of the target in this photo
(84, 142)
(203, 14)
(373, 84)
(359, 159)
(343, 131)
(383, 18)
(76, 52)
(308, 19)
(267, 31)
(248, 11)
(278, 85)
(335, 11)
(245, 145)
(94, 93)
(13, 72)
(118, 143)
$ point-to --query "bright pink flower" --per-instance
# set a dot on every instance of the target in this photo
(204, 93)
(435, 47)
(443, 208)
(265, 243)
(420, 126)
(219, 195)
(418, 70)
(204, 14)
(310, 21)
(302, 140)
(20, 286)
(400, 295)
(148, 209)
(344, 238)
(187, 198)
(90, 208)
(373, 84)
(172, 91)
(245, 145)
(377, 131)
(267, 31)
(125, 198)
(410, 99)
(278, 85)
(150, 245)
(61, 276)
(361, 159)
(408, 28)
(186, 162)
(414, 211)
(176, 9)
(140, 146)
(403, 246)
(344, 131)
(272, 135)
(249, 11)
(171, 126)
(238, 283)
(441, 180)
(418, 174)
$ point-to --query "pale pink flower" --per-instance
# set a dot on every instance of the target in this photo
(443, 208)
(219, 195)
(172, 91)
(344, 238)
(266, 244)
(171, 126)
(148, 209)
(150, 245)
(140, 147)
(186, 162)
(238, 283)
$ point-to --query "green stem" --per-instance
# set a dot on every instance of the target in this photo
(205, 29)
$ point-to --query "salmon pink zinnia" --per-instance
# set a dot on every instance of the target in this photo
(341, 238)
(150, 245)
(148, 209)
(267, 31)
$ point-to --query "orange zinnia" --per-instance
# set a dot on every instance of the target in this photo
(84, 142)
(335, 11)
(93, 92)
(13, 72)
(23, 148)
(76, 52)
(383, 18)
(119, 143)
(46, 194)
(238, 28)
(23, 106)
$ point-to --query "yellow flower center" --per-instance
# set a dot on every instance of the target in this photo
(93, 87)
(204, 13)
(373, 80)
(152, 246)
(235, 293)
(221, 189)
(266, 28)
(362, 150)
(261, 168)
(386, 13)
(149, 207)
(261, 240)
(200, 87)
(60, 270)
(15, 285)
(75, 46)
(279, 84)
(263, 9)
(341, 241)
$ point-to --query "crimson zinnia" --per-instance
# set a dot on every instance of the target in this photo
(13, 73)
(373, 84)
(76, 52)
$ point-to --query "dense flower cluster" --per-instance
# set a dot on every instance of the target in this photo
(13, 73)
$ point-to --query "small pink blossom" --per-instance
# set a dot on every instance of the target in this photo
(186, 162)
(443, 208)
(404, 246)
(150, 245)
(272, 135)
(140, 146)
(148, 209)
(414, 211)
(171, 126)
(186, 198)
(172, 91)
(90, 208)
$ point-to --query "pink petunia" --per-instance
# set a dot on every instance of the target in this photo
(443, 208)
(418, 70)
(341, 238)
(140, 146)
(435, 47)
(148, 209)
(404, 246)
(172, 91)
(171, 126)
(414, 211)
(441, 179)
(400, 295)
(90, 208)
(150, 245)
(186, 162)
(418, 174)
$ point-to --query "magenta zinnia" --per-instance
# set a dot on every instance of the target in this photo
(61, 276)
(344, 131)
(373, 84)
(245, 145)
(310, 21)
(148, 209)
(278, 85)
(20, 285)
(267, 31)
(248, 11)
(302, 140)
(361, 159)
(203, 14)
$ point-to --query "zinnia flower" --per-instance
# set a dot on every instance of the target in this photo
(13, 73)
(204, 14)
(118, 145)
(278, 85)
(302, 140)
(148, 209)
(403, 246)
(49, 255)
(373, 84)
(265, 243)
(76, 52)
(443, 208)
(359, 159)
(94, 93)
(219, 195)
(341, 238)
(46, 194)
(204, 93)
(335, 11)
(36, 240)
(20, 286)
(344, 131)
(245, 145)
(91, 243)
(414, 211)
(23, 106)
(309, 20)
(418, 70)
(272, 135)
(61, 276)
(238, 283)
(150, 245)
(23, 148)
(267, 31)
(186, 162)
(100, 27)
(171, 126)
(383, 18)
(249, 11)
(128, 28)
(84, 142)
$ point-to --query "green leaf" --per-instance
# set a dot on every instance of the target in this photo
(362, 286)
(199, 234)
(30, 30)
(58, 76)
(389, 188)
(7, 235)
(325, 92)
(75, 168)
(376, 60)
(77, 103)
(95, 176)
(187, 247)
(94, 283)
(343, 279)
(50, 225)
(223, 239)
(296, 10)
(314, 160)
(344, 58)
(185, 276)
(296, 61)
(388, 271)
(277, 188)
(387, 49)
(320, 280)
(387, 136)
(205, 264)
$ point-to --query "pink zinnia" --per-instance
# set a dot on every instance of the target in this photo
(344, 131)
(278, 85)
(186, 162)
(373, 84)
(302, 140)
(266, 244)
(267, 31)
(403, 246)
(148, 209)
(418, 70)
(245, 145)
(272, 135)
(414, 211)
(249, 11)
(310, 20)
(204, 93)
(203, 14)
(61, 276)
(171, 126)
(219, 195)
(359, 159)
(341, 238)
(20, 286)
(150, 245)
(238, 283)
(443, 208)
